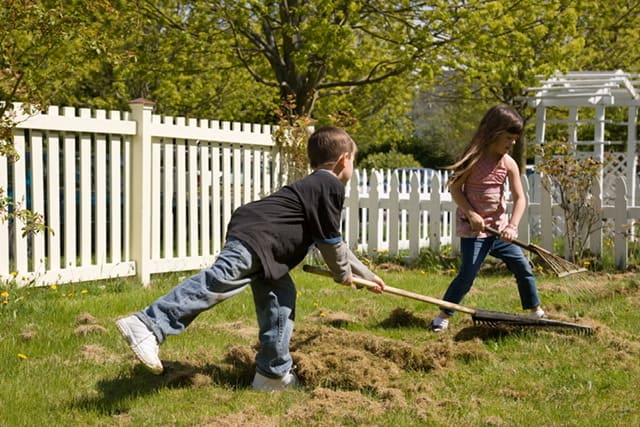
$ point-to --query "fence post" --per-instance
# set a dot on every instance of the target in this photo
(140, 196)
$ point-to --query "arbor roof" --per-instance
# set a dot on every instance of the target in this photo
(587, 88)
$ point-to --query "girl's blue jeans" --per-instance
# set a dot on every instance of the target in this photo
(474, 252)
(235, 268)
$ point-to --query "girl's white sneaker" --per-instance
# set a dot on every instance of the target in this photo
(439, 324)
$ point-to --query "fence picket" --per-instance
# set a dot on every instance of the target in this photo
(86, 219)
(70, 219)
(5, 239)
(116, 198)
(20, 196)
(203, 195)
(101, 199)
(37, 201)
(53, 201)
(194, 196)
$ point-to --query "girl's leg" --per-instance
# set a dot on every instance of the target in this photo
(473, 251)
(519, 265)
(230, 274)
(275, 302)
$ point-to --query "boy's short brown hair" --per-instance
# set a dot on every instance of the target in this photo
(327, 144)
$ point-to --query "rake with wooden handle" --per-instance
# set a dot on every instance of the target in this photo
(490, 318)
(559, 265)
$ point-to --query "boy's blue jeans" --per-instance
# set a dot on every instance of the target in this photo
(233, 270)
(474, 252)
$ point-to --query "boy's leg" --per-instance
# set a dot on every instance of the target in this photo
(230, 274)
(519, 265)
(275, 302)
(172, 313)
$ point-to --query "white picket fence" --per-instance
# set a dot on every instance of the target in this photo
(134, 193)
(422, 217)
(128, 193)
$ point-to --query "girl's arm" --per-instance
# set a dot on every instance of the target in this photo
(518, 196)
(475, 220)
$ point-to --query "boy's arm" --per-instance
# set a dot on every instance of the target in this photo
(336, 255)
(343, 263)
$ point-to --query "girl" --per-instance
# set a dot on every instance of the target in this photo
(477, 187)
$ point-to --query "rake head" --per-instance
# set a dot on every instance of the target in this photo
(497, 318)
(560, 266)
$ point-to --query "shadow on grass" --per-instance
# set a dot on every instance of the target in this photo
(402, 318)
(114, 394)
(485, 333)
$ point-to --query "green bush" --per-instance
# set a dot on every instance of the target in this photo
(390, 160)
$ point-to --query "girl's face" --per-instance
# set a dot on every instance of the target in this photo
(503, 143)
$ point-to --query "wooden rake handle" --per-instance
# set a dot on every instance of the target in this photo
(395, 291)
(520, 243)
(528, 246)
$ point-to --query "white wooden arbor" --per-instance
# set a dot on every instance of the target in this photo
(580, 101)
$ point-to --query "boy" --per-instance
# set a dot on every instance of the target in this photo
(265, 240)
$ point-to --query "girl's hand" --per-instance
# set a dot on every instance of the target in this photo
(475, 221)
(509, 233)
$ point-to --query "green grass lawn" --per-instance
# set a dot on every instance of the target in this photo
(365, 359)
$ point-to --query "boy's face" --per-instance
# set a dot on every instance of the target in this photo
(346, 162)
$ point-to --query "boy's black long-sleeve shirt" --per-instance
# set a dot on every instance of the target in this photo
(281, 227)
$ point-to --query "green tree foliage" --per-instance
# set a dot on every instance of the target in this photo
(377, 116)
(41, 44)
(358, 62)
(612, 41)
(504, 47)
(184, 71)
(313, 49)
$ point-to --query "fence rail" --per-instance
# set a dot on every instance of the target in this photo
(134, 193)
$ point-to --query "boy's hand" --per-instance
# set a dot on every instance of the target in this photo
(380, 287)
(377, 290)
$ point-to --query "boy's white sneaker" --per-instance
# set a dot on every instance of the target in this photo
(142, 341)
(262, 383)
(439, 324)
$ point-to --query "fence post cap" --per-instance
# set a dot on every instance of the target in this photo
(142, 101)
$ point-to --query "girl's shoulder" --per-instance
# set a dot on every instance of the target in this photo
(509, 162)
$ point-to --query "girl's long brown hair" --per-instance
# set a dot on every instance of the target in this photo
(499, 119)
